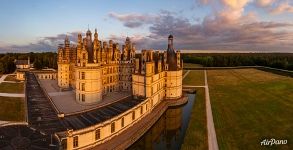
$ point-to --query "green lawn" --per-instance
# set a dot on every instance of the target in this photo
(11, 109)
(11, 87)
(190, 65)
(249, 106)
(11, 78)
(196, 133)
(195, 77)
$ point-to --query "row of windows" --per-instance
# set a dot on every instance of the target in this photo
(110, 79)
(110, 70)
(113, 128)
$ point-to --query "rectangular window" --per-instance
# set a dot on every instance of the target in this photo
(122, 122)
(112, 127)
(98, 134)
(75, 141)
(141, 110)
(133, 115)
(82, 97)
(82, 75)
(83, 86)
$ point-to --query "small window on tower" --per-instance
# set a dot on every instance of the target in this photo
(82, 75)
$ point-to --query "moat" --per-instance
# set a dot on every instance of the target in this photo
(169, 131)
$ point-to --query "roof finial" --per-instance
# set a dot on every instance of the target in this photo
(88, 26)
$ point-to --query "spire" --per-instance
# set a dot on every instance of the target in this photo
(170, 42)
(96, 34)
(66, 40)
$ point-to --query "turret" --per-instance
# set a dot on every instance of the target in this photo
(96, 34)
(171, 56)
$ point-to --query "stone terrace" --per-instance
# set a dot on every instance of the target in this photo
(66, 103)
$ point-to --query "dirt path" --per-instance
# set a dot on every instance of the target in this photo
(11, 95)
(185, 74)
(2, 78)
(212, 137)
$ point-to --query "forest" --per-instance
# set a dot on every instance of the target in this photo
(274, 60)
(40, 60)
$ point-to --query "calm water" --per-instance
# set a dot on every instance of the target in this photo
(169, 131)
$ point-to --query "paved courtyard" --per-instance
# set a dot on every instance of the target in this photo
(66, 103)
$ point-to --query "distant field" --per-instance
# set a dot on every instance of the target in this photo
(11, 109)
(195, 77)
(249, 106)
(196, 133)
(11, 87)
(190, 65)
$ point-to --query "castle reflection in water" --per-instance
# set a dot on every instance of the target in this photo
(169, 131)
(164, 133)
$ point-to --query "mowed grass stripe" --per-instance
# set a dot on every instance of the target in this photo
(11, 109)
(196, 133)
(194, 77)
(250, 105)
(11, 87)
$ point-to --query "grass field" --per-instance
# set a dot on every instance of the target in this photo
(11, 109)
(11, 78)
(195, 77)
(196, 133)
(11, 87)
(190, 65)
(249, 106)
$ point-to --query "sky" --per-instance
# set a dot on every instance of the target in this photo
(237, 25)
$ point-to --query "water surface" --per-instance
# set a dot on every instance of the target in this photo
(169, 131)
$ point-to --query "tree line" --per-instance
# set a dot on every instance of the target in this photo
(40, 60)
(274, 60)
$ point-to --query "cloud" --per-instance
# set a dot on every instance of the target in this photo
(284, 7)
(133, 20)
(220, 30)
(275, 6)
(264, 3)
(42, 44)
(226, 27)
